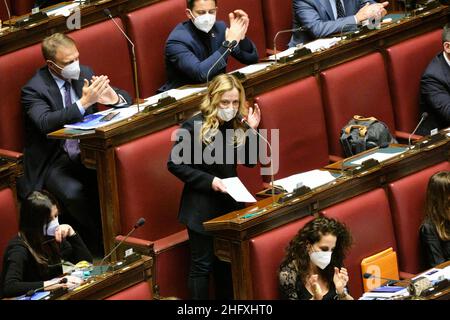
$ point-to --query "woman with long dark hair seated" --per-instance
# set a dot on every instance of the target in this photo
(33, 258)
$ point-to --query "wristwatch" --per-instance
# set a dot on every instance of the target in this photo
(226, 44)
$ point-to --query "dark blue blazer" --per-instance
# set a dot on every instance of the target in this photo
(317, 16)
(435, 95)
(44, 112)
(188, 59)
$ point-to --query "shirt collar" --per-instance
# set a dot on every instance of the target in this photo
(59, 82)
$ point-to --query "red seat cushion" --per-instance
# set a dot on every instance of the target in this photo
(368, 218)
(140, 291)
(255, 30)
(296, 111)
(149, 28)
(358, 87)
(16, 69)
(407, 199)
(404, 75)
(103, 47)
(277, 16)
(266, 252)
(8, 219)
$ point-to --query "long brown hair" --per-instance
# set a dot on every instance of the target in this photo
(437, 204)
(297, 253)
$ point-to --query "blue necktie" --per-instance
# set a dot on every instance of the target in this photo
(70, 145)
(340, 9)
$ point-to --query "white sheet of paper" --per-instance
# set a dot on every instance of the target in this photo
(254, 68)
(237, 190)
(380, 156)
(312, 179)
(313, 46)
(178, 94)
(63, 11)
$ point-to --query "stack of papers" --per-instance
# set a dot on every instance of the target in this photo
(385, 292)
(178, 94)
(253, 68)
(312, 179)
(92, 121)
(314, 46)
(237, 190)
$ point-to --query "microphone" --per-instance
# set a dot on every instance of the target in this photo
(9, 12)
(422, 118)
(107, 13)
(230, 47)
(31, 292)
(241, 119)
(280, 32)
(367, 275)
(138, 224)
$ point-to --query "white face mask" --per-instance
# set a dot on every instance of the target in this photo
(71, 71)
(226, 114)
(321, 259)
(51, 227)
(204, 22)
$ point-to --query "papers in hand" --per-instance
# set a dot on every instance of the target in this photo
(237, 190)
(314, 46)
(312, 179)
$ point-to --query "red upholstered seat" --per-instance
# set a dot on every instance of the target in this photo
(140, 291)
(147, 189)
(296, 111)
(8, 219)
(277, 16)
(358, 87)
(404, 74)
(407, 199)
(255, 30)
(105, 50)
(16, 69)
(266, 252)
(368, 218)
(20, 7)
(149, 28)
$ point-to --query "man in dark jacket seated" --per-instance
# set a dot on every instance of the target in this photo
(195, 45)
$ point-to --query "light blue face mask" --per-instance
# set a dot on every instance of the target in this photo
(50, 228)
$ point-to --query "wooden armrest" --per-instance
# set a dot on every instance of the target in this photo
(404, 136)
(406, 275)
(334, 158)
(139, 245)
(16, 156)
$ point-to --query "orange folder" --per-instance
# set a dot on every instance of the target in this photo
(380, 265)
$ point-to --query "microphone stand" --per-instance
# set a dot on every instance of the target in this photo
(280, 32)
(229, 48)
(424, 116)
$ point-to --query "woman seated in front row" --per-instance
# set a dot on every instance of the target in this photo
(313, 266)
(435, 229)
(33, 258)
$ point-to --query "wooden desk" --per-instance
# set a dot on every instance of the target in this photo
(9, 171)
(97, 147)
(443, 294)
(232, 232)
(112, 282)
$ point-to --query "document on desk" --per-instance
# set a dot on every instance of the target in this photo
(178, 94)
(93, 121)
(237, 190)
(314, 46)
(379, 156)
(253, 68)
(312, 179)
(63, 11)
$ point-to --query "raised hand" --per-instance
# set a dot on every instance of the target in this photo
(108, 96)
(340, 279)
(254, 116)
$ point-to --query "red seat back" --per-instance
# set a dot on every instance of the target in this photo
(358, 87)
(105, 50)
(8, 219)
(20, 7)
(255, 30)
(404, 75)
(266, 252)
(277, 17)
(140, 291)
(4, 10)
(407, 198)
(16, 68)
(146, 188)
(149, 28)
(368, 218)
(296, 111)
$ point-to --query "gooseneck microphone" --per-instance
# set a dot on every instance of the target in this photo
(367, 275)
(241, 119)
(31, 292)
(230, 47)
(9, 12)
(422, 118)
(138, 224)
(107, 12)
(280, 32)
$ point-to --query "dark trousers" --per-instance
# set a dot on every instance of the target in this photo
(203, 263)
(76, 189)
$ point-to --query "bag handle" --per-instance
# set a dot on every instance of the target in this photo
(362, 129)
(362, 118)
